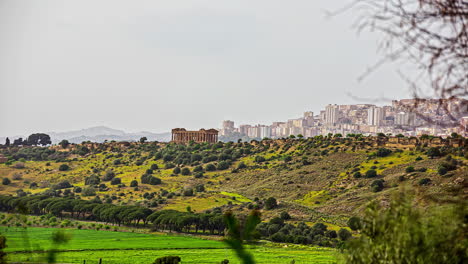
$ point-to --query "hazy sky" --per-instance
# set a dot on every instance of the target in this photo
(154, 65)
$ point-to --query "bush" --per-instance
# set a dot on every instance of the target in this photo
(377, 185)
(134, 183)
(210, 167)
(403, 233)
(259, 159)
(357, 175)
(77, 190)
(168, 260)
(409, 169)
(89, 191)
(418, 158)
(64, 167)
(285, 216)
(117, 162)
(354, 223)
(383, 152)
(110, 174)
(176, 170)
(223, 165)
(92, 180)
(241, 165)
(188, 192)
(371, 174)
(6, 181)
(424, 181)
(185, 171)
(19, 165)
(198, 169)
(116, 181)
(442, 170)
(344, 234)
(154, 167)
(270, 203)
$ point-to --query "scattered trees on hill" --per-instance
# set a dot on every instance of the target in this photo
(270, 203)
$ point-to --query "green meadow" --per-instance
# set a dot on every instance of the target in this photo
(30, 245)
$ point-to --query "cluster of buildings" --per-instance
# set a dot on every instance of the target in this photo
(410, 117)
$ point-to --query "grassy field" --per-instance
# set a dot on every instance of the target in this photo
(122, 247)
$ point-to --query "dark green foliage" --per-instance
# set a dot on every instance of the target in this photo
(383, 152)
(371, 174)
(168, 260)
(188, 192)
(409, 169)
(176, 170)
(198, 169)
(270, 203)
(354, 223)
(344, 234)
(238, 234)
(185, 171)
(357, 175)
(154, 167)
(223, 165)
(110, 174)
(117, 162)
(377, 185)
(39, 139)
(241, 165)
(200, 188)
(150, 179)
(418, 158)
(89, 191)
(64, 167)
(92, 180)
(62, 185)
(403, 233)
(77, 189)
(64, 143)
(433, 152)
(116, 181)
(285, 216)
(259, 159)
(424, 181)
(6, 181)
(210, 167)
(134, 183)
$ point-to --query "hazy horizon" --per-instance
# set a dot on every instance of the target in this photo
(156, 65)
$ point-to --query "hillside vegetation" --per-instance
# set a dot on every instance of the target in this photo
(316, 180)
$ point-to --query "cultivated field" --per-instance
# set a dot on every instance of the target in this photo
(128, 247)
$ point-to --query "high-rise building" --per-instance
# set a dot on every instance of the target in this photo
(375, 116)
(227, 127)
(244, 129)
(331, 114)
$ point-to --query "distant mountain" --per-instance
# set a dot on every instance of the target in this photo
(100, 134)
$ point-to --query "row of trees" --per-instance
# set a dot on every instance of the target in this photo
(94, 210)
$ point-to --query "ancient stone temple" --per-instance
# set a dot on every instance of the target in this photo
(180, 135)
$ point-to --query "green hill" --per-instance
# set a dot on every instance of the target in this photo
(321, 179)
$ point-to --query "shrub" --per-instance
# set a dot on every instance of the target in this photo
(371, 174)
(185, 171)
(176, 170)
(6, 181)
(154, 166)
(383, 152)
(223, 165)
(89, 191)
(409, 169)
(77, 190)
(403, 233)
(198, 169)
(134, 183)
(92, 180)
(357, 175)
(116, 181)
(259, 159)
(285, 216)
(117, 162)
(19, 165)
(200, 188)
(17, 176)
(270, 203)
(110, 174)
(354, 223)
(418, 158)
(168, 260)
(210, 167)
(241, 165)
(188, 192)
(344, 234)
(377, 185)
(64, 167)
(424, 181)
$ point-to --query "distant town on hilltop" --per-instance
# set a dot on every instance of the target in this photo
(407, 117)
